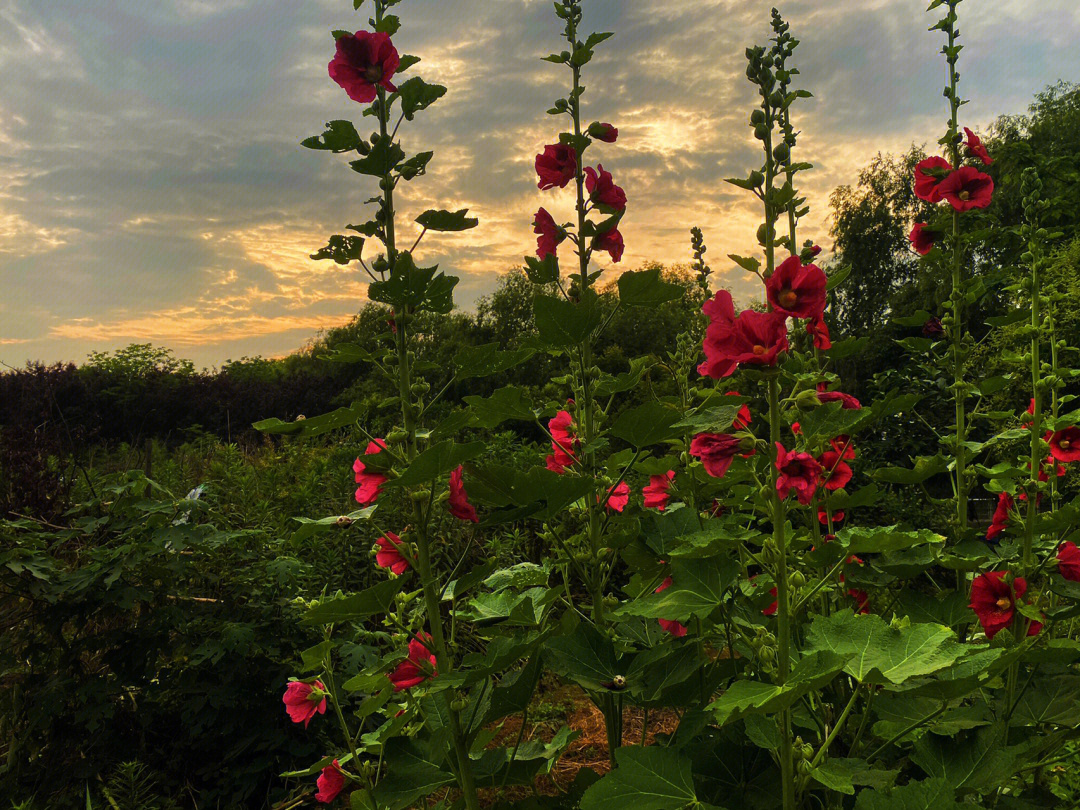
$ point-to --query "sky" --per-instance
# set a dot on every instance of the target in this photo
(152, 186)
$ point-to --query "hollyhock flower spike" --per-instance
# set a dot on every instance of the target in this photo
(798, 471)
(364, 62)
(973, 146)
(564, 443)
(752, 338)
(994, 602)
(389, 554)
(371, 483)
(618, 497)
(675, 628)
(1065, 444)
(331, 782)
(556, 166)
(967, 188)
(716, 451)
(928, 175)
(417, 668)
(797, 290)
(922, 238)
(548, 235)
(1068, 560)
(604, 132)
(304, 700)
(602, 189)
(459, 499)
(612, 242)
(657, 492)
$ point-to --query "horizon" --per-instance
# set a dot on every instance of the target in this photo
(158, 193)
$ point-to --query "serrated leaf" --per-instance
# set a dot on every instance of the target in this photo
(422, 288)
(450, 221)
(646, 424)
(698, 588)
(842, 774)
(563, 323)
(587, 657)
(510, 403)
(357, 607)
(651, 778)
(410, 775)
(342, 249)
(646, 288)
(746, 697)
(930, 794)
(436, 461)
(382, 159)
(340, 136)
(488, 359)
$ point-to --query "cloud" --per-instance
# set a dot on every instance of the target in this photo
(156, 189)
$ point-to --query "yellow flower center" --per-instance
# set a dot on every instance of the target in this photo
(788, 298)
(373, 73)
(964, 195)
(1064, 444)
(1004, 603)
(759, 350)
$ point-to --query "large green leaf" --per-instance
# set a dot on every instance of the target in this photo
(340, 136)
(881, 654)
(872, 540)
(410, 775)
(562, 323)
(842, 775)
(357, 607)
(976, 760)
(437, 460)
(646, 288)
(422, 288)
(381, 160)
(651, 778)
(314, 426)
(925, 467)
(488, 359)
(587, 657)
(447, 220)
(746, 697)
(698, 588)
(342, 249)
(416, 95)
(510, 403)
(540, 491)
(310, 528)
(646, 424)
(931, 794)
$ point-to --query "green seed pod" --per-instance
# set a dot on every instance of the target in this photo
(797, 579)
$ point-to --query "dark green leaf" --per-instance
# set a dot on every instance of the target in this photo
(488, 359)
(340, 136)
(651, 778)
(562, 323)
(382, 159)
(646, 288)
(436, 461)
(357, 607)
(447, 220)
(646, 424)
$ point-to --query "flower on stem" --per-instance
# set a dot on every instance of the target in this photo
(417, 668)
(675, 628)
(797, 290)
(389, 554)
(823, 517)
(371, 483)
(848, 402)
(716, 451)
(603, 132)
(549, 235)
(928, 176)
(602, 189)
(459, 499)
(933, 328)
(364, 61)
(304, 700)
(967, 188)
(1000, 521)
(743, 418)
(771, 609)
(752, 338)
(563, 442)
(1065, 444)
(923, 238)
(835, 473)
(994, 602)
(798, 471)
(618, 497)
(656, 493)
(1068, 560)
(819, 331)
(973, 147)
(611, 241)
(556, 166)
(331, 782)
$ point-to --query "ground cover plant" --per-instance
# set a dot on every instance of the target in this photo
(668, 566)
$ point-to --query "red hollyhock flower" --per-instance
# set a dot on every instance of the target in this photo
(849, 402)
(363, 62)
(602, 189)
(556, 166)
(928, 176)
(994, 602)
(549, 235)
(656, 493)
(967, 188)
(1065, 444)
(922, 238)
(933, 328)
(798, 471)
(676, 629)
(564, 443)
(417, 668)
(835, 473)
(771, 609)
(604, 132)
(304, 700)
(743, 418)
(974, 148)
(611, 241)
(371, 483)
(1068, 558)
(459, 499)
(819, 331)
(389, 554)
(618, 497)
(823, 517)
(796, 289)
(844, 446)
(1000, 520)
(716, 451)
(752, 338)
(331, 782)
